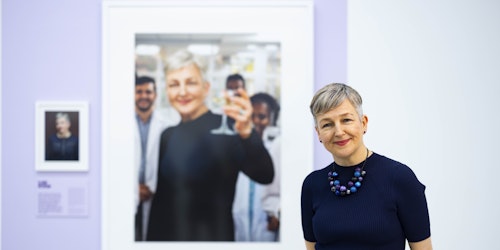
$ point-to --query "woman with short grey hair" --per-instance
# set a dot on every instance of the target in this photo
(63, 145)
(197, 168)
(362, 200)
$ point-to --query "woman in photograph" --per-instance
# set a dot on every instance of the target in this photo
(63, 145)
(363, 200)
(198, 168)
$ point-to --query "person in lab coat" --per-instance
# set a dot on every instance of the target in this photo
(149, 127)
(256, 206)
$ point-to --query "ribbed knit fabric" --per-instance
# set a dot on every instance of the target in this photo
(388, 208)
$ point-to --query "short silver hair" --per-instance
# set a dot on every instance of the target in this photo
(331, 96)
(63, 115)
(183, 58)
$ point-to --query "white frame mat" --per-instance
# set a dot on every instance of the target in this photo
(290, 21)
(1, 141)
(43, 165)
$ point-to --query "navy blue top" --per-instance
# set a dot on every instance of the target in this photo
(62, 149)
(196, 180)
(388, 208)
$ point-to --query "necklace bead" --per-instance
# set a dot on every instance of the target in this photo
(353, 185)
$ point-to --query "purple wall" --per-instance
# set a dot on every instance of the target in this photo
(330, 56)
(52, 51)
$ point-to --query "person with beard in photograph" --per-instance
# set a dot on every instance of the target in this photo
(149, 126)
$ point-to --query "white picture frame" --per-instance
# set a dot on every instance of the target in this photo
(1, 122)
(291, 22)
(45, 129)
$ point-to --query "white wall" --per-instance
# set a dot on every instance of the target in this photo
(429, 73)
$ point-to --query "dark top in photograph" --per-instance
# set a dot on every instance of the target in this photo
(196, 180)
(65, 149)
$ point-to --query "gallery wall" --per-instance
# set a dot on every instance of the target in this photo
(51, 51)
(429, 75)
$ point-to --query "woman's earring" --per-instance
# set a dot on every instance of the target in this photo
(364, 132)
(320, 141)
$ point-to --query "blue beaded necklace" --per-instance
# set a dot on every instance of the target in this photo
(353, 185)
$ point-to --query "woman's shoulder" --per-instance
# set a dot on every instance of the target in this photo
(398, 169)
(167, 131)
(212, 117)
(208, 119)
(319, 174)
(316, 182)
(385, 161)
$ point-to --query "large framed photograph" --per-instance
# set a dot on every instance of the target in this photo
(177, 171)
(61, 142)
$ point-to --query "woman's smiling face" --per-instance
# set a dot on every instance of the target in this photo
(341, 132)
(186, 91)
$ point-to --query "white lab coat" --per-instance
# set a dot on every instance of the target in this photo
(259, 232)
(271, 194)
(158, 124)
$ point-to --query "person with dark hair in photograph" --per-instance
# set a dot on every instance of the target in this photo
(150, 125)
(256, 206)
(235, 81)
(362, 200)
(265, 115)
(198, 168)
(63, 145)
(265, 119)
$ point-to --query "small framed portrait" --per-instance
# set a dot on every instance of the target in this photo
(61, 142)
